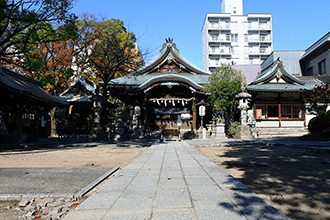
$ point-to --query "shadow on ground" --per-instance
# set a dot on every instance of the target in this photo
(53, 144)
(294, 180)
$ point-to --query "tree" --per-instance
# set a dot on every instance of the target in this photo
(45, 61)
(51, 63)
(105, 50)
(22, 21)
(224, 83)
(318, 99)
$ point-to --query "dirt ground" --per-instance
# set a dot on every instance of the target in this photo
(64, 156)
(294, 180)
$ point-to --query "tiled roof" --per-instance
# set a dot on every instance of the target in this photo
(141, 79)
(276, 79)
(147, 73)
(89, 86)
(28, 87)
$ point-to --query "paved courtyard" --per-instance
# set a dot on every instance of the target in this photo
(174, 181)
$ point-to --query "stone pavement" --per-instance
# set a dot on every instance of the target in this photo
(172, 180)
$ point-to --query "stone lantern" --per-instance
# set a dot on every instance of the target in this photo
(97, 133)
(243, 131)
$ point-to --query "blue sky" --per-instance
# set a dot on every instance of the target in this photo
(297, 24)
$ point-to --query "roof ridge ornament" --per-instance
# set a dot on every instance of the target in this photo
(169, 41)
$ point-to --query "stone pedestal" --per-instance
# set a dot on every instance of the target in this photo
(220, 130)
(120, 128)
(97, 133)
(243, 132)
(204, 133)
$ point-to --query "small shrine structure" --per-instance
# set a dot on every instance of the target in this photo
(277, 98)
(167, 90)
(24, 108)
(78, 117)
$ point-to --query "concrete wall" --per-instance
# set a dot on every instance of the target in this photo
(290, 61)
(249, 71)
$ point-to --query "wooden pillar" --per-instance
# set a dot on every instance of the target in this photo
(37, 122)
(145, 122)
(194, 113)
(279, 109)
(19, 124)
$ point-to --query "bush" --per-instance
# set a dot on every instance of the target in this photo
(232, 128)
(320, 124)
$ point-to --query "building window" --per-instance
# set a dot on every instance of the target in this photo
(214, 37)
(273, 111)
(322, 67)
(310, 71)
(234, 37)
(227, 37)
(263, 49)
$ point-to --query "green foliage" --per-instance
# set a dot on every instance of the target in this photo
(320, 124)
(106, 50)
(22, 22)
(317, 100)
(232, 128)
(225, 84)
(120, 107)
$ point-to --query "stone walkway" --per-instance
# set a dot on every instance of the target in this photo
(174, 181)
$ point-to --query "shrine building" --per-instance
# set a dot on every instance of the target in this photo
(277, 98)
(167, 94)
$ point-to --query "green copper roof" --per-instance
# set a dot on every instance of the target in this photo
(150, 73)
(276, 78)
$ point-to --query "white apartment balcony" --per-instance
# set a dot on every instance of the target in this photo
(260, 39)
(226, 51)
(259, 51)
(214, 39)
(265, 38)
(260, 27)
(219, 26)
(222, 51)
(214, 63)
(214, 50)
(225, 39)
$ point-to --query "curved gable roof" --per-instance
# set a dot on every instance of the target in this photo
(168, 66)
(277, 79)
(168, 53)
(276, 71)
(89, 86)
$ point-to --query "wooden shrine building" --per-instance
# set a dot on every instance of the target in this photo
(168, 91)
(277, 98)
(77, 118)
(24, 108)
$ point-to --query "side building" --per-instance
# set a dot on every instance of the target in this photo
(233, 38)
(316, 60)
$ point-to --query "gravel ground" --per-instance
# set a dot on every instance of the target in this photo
(43, 160)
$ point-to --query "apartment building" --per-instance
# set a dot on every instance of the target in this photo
(233, 38)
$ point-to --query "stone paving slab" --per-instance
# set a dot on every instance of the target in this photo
(172, 180)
